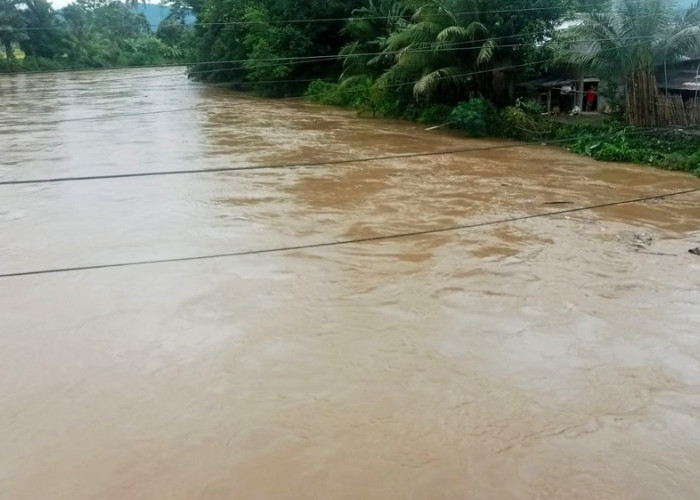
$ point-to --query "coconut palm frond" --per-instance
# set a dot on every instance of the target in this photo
(430, 83)
(353, 81)
(678, 45)
(598, 26)
(447, 16)
(476, 29)
(453, 33)
(417, 61)
(486, 52)
(394, 78)
(692, 15)
(349, 49)
(414, 33)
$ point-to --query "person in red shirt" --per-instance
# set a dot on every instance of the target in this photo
(590, 99)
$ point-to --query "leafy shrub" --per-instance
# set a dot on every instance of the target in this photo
(672, 149)
(10, 66)
(392, 96)
(145, 51)
(610, 152)
(356, 93)
(694, 162)
(475, 117)
(327, 93)
(435, 114)
(526, 120)
(42, 64)
(674, 161)
(323, 92)
(359, 93)
(679, 161)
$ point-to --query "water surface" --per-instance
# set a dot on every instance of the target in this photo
(552, 358)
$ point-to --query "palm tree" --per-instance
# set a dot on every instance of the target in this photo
(455, 46)
(444, 41)
(48, 36)
(370, 29)
(630, 44)
(11, 26)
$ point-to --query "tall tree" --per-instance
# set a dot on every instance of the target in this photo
(252, 41)
(369, 30)
(455, 46)
(46, 31)
(12, 26)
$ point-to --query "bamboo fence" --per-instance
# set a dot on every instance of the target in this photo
(671, 110)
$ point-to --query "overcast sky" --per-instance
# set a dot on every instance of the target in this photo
(58, 4)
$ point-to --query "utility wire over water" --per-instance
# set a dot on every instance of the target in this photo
(371, 239)
(273, 167)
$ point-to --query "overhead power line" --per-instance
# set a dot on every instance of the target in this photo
(356, 18)
(395, 85)
(334, 243)
(108, 117)
(484, 71)
(279, 60)
(319, 58)
(272, 167)
(450, 47)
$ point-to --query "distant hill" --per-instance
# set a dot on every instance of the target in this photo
(685, 4)
(156, 14)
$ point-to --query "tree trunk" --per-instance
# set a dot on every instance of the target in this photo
(580, 93)
(640, 98)
(9, 53)
(499, 88)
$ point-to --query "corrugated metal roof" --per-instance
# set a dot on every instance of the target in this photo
(553, 80)
(679, 78)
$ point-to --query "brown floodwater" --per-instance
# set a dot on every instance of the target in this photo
(550, 358)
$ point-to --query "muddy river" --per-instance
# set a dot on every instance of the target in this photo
(549, 358)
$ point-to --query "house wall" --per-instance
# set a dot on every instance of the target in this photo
(602, 101)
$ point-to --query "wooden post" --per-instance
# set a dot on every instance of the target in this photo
(549, 100)
(579, 95)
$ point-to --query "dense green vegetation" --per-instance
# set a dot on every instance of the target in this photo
(399, 56)
(412, 51)
(87, 34)
(670, 149)
(249, 43)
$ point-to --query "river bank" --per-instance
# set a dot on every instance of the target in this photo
(607, 139)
